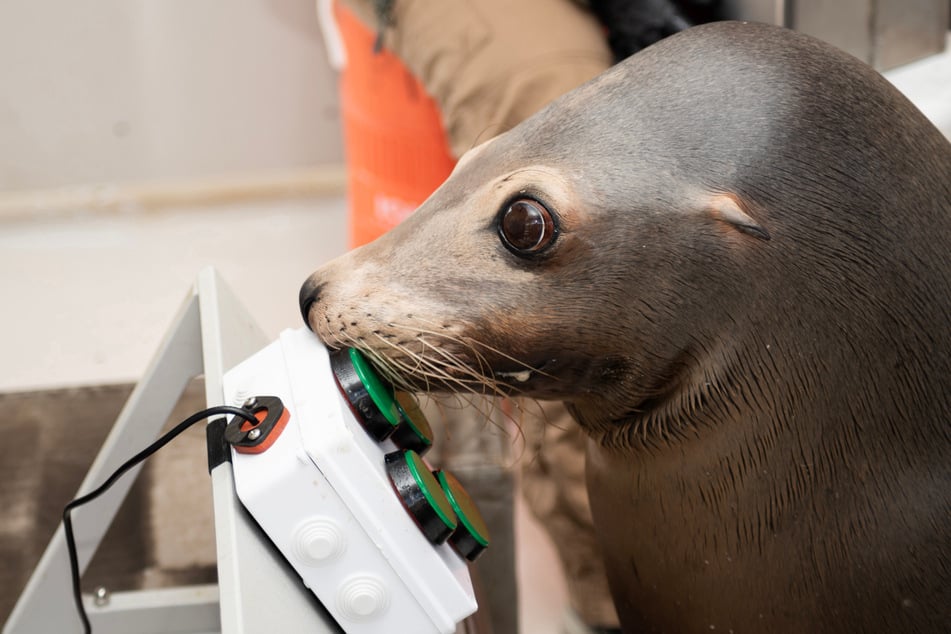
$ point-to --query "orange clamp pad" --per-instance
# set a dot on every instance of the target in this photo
(271, 437)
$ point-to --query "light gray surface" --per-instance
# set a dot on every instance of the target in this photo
(133, 90)
(90, 296)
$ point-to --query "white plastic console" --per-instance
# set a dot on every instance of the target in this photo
(322, 494)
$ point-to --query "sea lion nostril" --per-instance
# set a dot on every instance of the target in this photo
(309, 294)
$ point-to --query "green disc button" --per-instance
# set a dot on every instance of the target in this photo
(380, 392)
(422, 495)
(472, 535)
(370, 397)
(413, 431)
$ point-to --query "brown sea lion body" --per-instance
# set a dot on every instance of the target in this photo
(734, 267)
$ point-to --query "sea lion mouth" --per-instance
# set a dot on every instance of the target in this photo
(445, 371)
(453, 379)
(528, 375)
(542, 379)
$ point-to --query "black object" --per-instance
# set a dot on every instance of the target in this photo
(632, 25)
(112, 479)
(219, 451)
(382, 411)
(471, 537)
(437, 502)
(421, 495)
(243, 435)
(370, 398)
(414, 431)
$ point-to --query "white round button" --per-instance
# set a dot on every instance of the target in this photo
(318, 540)
(362, 598)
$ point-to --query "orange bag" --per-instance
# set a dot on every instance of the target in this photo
(396, 149)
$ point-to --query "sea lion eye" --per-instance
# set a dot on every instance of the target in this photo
(527, 227)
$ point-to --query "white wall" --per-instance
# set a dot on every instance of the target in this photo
(96, 91)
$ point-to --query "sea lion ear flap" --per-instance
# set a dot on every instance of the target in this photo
(727, 208)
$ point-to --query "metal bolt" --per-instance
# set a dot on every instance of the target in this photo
(101, 597)
(251, 402)
(254, 434)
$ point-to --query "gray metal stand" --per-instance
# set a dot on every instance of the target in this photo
(257, 590)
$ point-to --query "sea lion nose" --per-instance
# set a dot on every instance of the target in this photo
(309, 293)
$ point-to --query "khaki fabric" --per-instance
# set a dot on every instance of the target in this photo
(490, 64)
(553, 486)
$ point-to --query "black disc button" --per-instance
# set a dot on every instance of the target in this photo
(421, 495)
(471, 536)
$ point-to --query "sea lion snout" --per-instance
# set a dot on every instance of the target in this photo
(450, 299)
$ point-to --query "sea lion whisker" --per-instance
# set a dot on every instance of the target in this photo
(455, 360)
(407, 353)
(471, 344)
(398, 368)
(483, 379)
(444, 372)
(441, 335)
(496, 400)
(486, 406)
(465, 384)
(425, 368)
(484, 369)
(338, 342)
(513, 359)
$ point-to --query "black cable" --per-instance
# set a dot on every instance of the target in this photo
(131, 462)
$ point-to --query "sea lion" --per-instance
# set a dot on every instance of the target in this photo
(730, 256)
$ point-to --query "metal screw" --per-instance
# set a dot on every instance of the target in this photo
(251, 402)
(101, 597)
(254, 434)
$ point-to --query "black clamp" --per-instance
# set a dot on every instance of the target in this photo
(246, 437)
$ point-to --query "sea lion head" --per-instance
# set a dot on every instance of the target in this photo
(607, 248)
